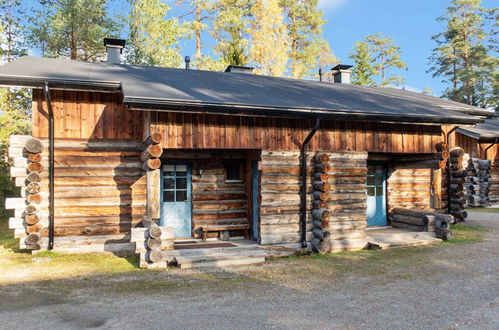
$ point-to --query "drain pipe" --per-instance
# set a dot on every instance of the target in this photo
(303, 164)
(447, 140)
(51, 165)
(493, 143)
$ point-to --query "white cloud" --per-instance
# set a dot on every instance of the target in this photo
(331, 4)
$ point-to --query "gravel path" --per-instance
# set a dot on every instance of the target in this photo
(452, 287)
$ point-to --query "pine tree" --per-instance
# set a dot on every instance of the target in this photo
(269, 38)
(230, 30)
(153, 38)
(462, 58)
(15, 103)
(387, 57)
(363, 69)
(200, 10)
(304, 24)
(72, 29)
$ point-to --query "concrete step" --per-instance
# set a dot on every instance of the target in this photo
(217, 258)
(402, 239)
(221, 262)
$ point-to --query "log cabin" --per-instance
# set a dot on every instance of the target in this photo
(132, 157)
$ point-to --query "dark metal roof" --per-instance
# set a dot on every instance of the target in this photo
(218, 92)
(486, 131)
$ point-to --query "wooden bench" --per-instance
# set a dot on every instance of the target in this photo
(222, 229)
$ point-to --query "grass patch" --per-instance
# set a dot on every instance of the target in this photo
(48, 264)
(465, 234)
(483, 209)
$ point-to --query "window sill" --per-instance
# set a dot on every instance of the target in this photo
(233, 181)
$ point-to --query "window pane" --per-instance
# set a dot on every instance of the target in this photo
(169, 196)
(379, 180)
(379, 191)
(370, 170)
(233, 172)
(181, 170)
(181, 196)
(168, 183)
(370, 191)
(181, 183)
(370, 180)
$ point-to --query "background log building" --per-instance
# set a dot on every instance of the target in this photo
(218, 154)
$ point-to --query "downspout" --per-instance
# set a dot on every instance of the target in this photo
(51, 165)
(303, 165)
(447, 139)
(486, 149)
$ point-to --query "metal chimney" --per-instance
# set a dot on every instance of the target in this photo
(239, 69)
(187, 62)
(341, 73)
(114, 49)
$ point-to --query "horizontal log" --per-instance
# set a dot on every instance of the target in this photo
(321, 158)
(441, 146)
(397, 224)
(33, 146)
(457, 152)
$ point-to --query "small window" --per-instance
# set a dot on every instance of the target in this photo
(233, 173)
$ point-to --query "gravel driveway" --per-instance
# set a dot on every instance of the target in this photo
(452, 287)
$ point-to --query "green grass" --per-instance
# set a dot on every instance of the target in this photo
(47, 264)
(465, 234)
(483, 209)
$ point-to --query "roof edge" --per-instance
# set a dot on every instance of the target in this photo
(239, 109)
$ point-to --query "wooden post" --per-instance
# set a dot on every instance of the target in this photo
(153, 194)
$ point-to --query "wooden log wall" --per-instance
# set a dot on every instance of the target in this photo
(458, 162)
(26, 159)
(151, 241)
(409, 188)
(494, 183)
(347, 197)
(100, 191)
(280, 195)
(477, 185)
(215, 201)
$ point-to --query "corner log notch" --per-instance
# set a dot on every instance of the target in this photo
(25, 154)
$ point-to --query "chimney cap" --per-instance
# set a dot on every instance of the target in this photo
(339, 67)
(239, 69)
(115, 43)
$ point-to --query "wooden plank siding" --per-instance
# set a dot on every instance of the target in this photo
(85, 115)
(232, 132)
(92, 115)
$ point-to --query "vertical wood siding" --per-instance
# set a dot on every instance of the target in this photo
(203, 131)
(86, 115)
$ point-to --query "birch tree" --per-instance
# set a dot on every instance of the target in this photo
(269, 38)
(304, 24)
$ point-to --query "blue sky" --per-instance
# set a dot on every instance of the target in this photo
(410, 23)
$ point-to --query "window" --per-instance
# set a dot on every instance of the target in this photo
(175, 183)
(233, 173)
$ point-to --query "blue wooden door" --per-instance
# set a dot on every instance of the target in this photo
(176, 205)
(255, 198)
(376, 196)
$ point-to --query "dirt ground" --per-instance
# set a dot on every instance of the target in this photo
(451, 286)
